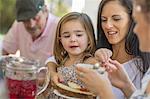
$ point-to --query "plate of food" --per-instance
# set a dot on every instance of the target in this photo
(74, 90)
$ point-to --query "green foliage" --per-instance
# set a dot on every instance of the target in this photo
(58, 7)
(7, 14)
(61, 9)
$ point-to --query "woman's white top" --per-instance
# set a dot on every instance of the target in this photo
(134, 74)
(139, 94)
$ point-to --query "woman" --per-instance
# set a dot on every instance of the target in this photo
(119, 75)
(115, 32)
(142, 17)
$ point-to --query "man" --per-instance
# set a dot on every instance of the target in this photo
(33, 32)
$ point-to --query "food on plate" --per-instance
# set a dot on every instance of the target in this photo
(73, 85)
(74, 90)
(76, 86)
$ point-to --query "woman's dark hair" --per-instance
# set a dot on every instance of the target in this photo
(145, 4)
(146, 61)
(131, 42)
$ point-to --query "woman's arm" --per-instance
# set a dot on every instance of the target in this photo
(117, 76)
(96, 83)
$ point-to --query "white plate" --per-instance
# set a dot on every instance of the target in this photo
(64, 96)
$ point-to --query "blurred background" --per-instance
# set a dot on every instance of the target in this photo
(57, 7)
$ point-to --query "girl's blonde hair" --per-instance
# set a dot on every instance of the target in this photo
(59, 52)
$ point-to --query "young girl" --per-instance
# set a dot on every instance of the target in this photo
(74, 43)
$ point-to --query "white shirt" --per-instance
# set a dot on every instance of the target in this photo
(134, 74)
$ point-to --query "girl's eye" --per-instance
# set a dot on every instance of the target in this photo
(79, 35)
(65, 36)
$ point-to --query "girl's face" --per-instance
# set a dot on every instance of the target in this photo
(142, 28)
(115, 22)
(74, 37)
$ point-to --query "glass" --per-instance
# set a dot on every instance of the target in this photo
(21, 76)
(3, 90)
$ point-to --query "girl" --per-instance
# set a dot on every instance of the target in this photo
(74, 43)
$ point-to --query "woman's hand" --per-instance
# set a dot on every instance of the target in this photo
(98, 84)
(103, 55)
(119, 77)
(116, 73)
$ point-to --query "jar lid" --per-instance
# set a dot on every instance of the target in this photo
(20, 63)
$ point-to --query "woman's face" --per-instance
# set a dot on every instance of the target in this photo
(115, 22)
(142, 28)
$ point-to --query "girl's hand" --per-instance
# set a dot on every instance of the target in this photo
(103, 55)
(57, 78)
